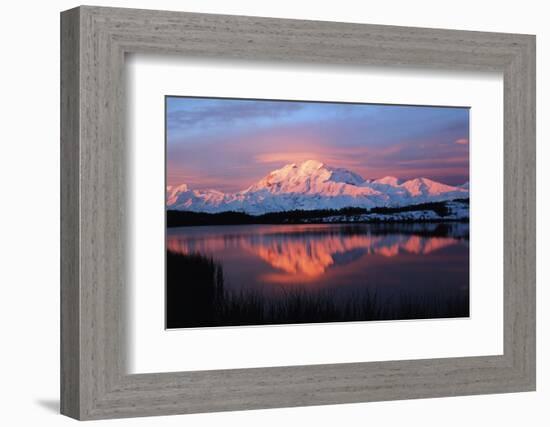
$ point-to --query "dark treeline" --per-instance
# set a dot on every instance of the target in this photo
(196, 296)
(188, 218)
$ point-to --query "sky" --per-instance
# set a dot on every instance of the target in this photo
(229, 144)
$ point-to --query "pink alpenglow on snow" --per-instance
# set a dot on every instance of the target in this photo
(312, 185)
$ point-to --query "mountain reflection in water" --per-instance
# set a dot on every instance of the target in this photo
(305, 253)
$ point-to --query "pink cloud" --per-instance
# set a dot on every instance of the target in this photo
(243, 160)
(288, 157)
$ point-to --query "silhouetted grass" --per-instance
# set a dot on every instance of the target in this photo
(196, 297)
(194, 291)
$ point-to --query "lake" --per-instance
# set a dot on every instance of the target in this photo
(277, 274)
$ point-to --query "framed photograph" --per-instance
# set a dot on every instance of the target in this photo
(263, 213)
(259, 232)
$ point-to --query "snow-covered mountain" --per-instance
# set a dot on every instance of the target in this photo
(313, 185)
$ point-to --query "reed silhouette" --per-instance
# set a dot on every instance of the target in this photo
(196, 296)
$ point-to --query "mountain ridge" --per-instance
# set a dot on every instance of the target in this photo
(312, 185)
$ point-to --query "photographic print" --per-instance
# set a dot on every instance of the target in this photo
(292, 212)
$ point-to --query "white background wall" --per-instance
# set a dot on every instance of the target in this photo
(29, 225)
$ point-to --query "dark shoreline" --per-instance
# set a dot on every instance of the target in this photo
(440, 211)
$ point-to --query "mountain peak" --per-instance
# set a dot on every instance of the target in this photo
(308, 177)
(388, 180)
(311, 165)
(419, 186)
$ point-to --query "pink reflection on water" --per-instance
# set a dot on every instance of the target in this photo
(298, 253)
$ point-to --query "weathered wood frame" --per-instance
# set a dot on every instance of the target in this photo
(94, 41)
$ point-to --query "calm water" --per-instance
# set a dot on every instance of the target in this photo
(420, 262)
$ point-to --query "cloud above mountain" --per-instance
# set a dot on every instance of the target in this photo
(227, 144)
(203, 114)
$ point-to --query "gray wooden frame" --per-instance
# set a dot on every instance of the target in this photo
(94, 41)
